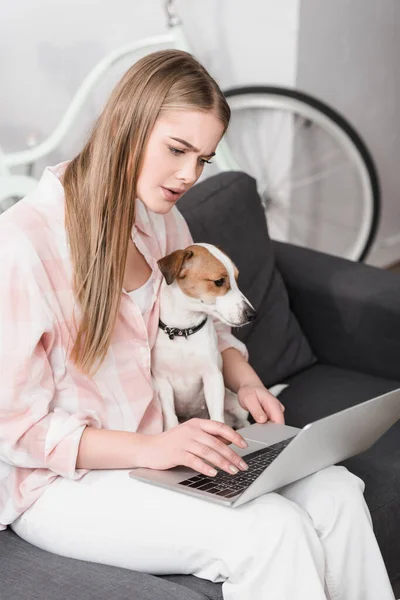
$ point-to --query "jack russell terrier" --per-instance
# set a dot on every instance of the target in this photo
(199, 282)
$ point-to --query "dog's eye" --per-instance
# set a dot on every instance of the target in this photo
(219, 282)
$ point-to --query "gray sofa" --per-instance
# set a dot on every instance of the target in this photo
(328, 327)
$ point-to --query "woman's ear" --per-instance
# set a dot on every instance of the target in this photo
(171, 265)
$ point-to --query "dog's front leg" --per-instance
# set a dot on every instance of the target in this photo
(235, 416)
(214, 393)
(166, 396)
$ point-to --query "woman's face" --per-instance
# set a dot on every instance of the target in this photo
(180, 145)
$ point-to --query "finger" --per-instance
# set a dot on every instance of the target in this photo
(220, 445)
(222, 439)
(218, 428)
(194, 462)
(218, 455)
(254, 406)
(273, 409)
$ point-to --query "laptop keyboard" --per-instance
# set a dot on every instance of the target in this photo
(226, 485)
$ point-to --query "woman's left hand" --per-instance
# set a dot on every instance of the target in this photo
(262, 405)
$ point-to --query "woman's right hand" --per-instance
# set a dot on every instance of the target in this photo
(191, 444)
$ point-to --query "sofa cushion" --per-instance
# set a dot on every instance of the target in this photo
(211, 590)
(349, 311)
(30, 573)
(226, 210)
(322, 390)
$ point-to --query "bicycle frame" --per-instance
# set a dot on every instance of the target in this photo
(175, 39)
(14, 187)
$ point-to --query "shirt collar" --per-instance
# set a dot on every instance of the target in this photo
(49, 193)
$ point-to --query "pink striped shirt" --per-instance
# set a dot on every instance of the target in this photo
(45, 402)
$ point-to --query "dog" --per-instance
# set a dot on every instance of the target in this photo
(200, 282)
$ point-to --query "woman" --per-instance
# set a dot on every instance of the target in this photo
(79, 316)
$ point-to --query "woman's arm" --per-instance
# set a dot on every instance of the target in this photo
(236, 370)
(32, 434)
(241, 378)
(104, 449)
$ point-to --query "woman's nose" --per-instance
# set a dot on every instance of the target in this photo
(188, 172)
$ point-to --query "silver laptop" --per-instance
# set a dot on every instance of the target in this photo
(280, 454)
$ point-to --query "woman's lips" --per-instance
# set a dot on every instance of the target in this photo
(170, 195)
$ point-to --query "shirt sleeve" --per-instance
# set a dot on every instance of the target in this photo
(181, 238)
(32, 435)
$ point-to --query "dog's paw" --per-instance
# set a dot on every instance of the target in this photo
(234, 415)
(236, 421)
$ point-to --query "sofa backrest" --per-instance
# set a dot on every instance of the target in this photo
(226, 210)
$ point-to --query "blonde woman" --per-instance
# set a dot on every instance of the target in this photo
(78, 318)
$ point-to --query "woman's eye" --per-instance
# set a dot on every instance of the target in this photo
(219, 282)
(204, 161)
(176, 151)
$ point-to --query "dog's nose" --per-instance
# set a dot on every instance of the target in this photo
(250, 313)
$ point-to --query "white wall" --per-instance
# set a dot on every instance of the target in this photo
(50, 45)
(344, 51)
(349, 57)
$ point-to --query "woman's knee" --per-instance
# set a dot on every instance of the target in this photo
(270, 516)
(340, 486)
(330, 494)
(342, 477)
(348, 489)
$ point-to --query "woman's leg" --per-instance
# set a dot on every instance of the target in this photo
(333, 499)
(266, 548)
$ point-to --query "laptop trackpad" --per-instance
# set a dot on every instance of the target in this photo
(268, 433)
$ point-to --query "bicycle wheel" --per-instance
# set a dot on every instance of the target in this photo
(315, 175)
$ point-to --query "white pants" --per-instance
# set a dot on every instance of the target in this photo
(312, 541)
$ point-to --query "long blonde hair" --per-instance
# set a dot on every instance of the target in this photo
(100, 186)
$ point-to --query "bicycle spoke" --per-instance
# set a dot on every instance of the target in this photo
(314, 173)
(314, 178)
(323, 161)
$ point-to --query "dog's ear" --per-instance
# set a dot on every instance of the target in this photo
(171, 265)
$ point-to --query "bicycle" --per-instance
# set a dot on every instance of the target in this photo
(304, 155)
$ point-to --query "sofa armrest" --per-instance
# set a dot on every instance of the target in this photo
(349, 312)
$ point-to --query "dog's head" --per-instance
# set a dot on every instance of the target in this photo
(207, 278)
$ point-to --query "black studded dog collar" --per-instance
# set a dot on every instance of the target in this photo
(175, 331)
